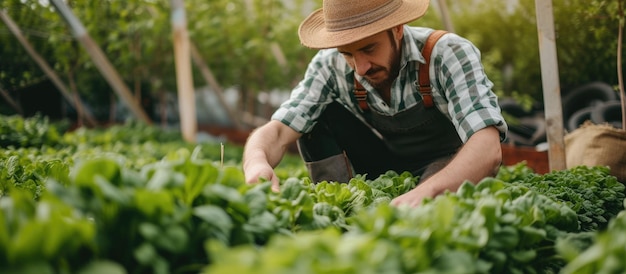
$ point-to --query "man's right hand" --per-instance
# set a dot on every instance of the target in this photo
(259, 171)
(264, 150)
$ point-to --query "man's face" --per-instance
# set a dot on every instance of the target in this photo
(376, 58)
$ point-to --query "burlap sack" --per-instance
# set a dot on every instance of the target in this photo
(597, 145)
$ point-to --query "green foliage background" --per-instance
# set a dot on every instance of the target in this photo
(236, 38)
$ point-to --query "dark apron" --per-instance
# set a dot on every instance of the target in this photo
(412, 140)
(418, 135)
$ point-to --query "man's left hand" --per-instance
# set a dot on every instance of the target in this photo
(414, 197)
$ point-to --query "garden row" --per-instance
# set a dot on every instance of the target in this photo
(137, 199)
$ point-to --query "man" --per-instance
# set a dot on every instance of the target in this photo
(359, 109)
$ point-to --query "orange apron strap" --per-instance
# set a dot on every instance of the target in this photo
(361, 95)
(425, 86)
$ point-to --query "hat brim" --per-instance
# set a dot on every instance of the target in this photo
(313, 33)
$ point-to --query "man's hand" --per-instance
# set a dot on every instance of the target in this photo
(414, 197)
(478, 158)
(264, 150)
(261, 171)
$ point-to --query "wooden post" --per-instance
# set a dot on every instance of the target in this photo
(551, 86)
(11, 102)
(77, 104)
(210, 79)
(100, 60)
(184, 78)
(620, 75)
(445, 17)
(279, 55)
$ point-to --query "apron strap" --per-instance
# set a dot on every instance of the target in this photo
(361, 95)
(424, 86)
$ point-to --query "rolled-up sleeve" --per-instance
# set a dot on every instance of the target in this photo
(309, 98)
(466, 92)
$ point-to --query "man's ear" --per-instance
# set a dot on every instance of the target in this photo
(398, 32)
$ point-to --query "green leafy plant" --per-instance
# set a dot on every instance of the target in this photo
(102, 201)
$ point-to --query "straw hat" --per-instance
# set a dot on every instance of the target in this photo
(341, 22)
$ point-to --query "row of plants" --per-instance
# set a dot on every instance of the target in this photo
(137, 199)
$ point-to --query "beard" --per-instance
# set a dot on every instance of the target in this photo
(391, 71)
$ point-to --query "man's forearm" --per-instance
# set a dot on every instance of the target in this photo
(268, 143)
(480, 157)
(258, 148)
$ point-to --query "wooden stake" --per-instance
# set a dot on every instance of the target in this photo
(551, 88)
(11, 102)
(100, 60)
(620, 76)
(215, 86)
(184, 78)
(445, 17)
(65, 91)
(222, 155)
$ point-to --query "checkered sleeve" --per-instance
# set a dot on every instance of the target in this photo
(309, 98)
(469, 100)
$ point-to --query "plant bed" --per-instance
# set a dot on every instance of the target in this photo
(99, 201)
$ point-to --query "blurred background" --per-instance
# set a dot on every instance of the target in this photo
(246, 57)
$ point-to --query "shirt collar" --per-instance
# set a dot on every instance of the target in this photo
(410, 50)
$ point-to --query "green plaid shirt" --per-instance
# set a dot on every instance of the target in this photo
(461, 90)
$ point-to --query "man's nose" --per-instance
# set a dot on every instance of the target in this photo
(361, 65)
